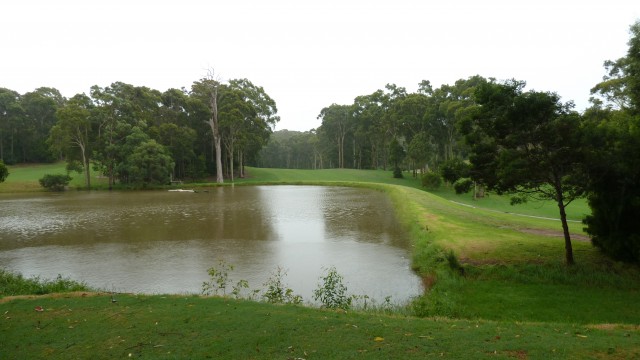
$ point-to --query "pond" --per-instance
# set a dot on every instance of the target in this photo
(160, 242)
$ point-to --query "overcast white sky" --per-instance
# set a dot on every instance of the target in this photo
(308, 55)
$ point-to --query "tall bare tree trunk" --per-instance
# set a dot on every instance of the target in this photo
(215, 125)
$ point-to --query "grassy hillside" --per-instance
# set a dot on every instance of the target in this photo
(495, 281)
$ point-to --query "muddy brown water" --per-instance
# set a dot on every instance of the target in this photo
(160, 242)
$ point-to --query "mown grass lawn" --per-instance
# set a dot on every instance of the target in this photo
(178, 327)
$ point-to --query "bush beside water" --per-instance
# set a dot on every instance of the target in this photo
(15, 284)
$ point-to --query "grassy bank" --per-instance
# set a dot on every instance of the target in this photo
(173, 327)
(496, 284)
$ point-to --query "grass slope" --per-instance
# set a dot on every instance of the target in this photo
(172, 327)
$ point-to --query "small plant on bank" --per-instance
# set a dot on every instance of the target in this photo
(277, 292)
(219, 279)
(237, 288)
(332, 293)
(55, 182)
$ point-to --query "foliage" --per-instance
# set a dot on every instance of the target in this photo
(396, 152)
(219, 279)
(397, 173)
(277, 292)
(55, 182)
(454, 169)
(4, 172)
(149, 164)
(613, 165)
(527, 143)
(15, 284)
(431, 180)
(620, 88)
(463, 185)
(332, 293)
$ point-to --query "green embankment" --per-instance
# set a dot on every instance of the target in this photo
(497, 286)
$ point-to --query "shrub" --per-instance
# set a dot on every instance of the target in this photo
(55, 182)
(4, 172)
(219, 279)
(277, 292)
(454, 169)
(397, 173)
(463, 185)
(15, 284)
(332, 293)
(431, 180)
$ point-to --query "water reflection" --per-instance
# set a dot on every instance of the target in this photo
(163, 242)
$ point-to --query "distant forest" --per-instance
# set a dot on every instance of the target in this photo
(105, 129)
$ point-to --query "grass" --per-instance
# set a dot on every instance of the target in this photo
(177, 327)
(15, 284)
(496, 286)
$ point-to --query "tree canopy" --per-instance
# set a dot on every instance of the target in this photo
(110, 129)
(613, 131)
(526, 143)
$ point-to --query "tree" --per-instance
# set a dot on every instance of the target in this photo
(55, 182)
(72, 133)
(613, 166)
(259, 113)
(526, 143)
(621, 86)
(233, 110)
(614, 184)
(210, 87)
(11, 114)
(454, 169)
(421, 150)
(396, 155)
(40, 107)
(4, 172)
(336, 123)
(149, 164)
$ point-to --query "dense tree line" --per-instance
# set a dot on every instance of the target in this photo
(369, 133)
(137, 135)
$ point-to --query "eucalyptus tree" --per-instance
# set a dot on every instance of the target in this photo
(11, 114)
(118, 108)
(450, 104)
(39, 107)
(376, 118)
(72, 135)
(259, 117)
(336, 124)
(369, 129)
(527, 143)
(207, 91)
(233, 110)
(179, 141)
(411, 111)
(421, 150)
(174, 130)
